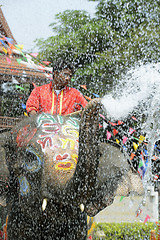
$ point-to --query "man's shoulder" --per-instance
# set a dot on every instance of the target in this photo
(44, 86)
(73, 90)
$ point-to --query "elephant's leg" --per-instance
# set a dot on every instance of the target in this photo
(23, 225)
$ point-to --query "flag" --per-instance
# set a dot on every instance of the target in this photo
(23, 106)
(19, 60)
(121, 198)
(96, 95)
(8, 60)
(142, 167)
(34, 54)
(141, 139)
(113, 124)
(88, 98)
(135, 146)
(117, 141)
(83, 86)
(102, 116)
(131, 130)
(120, 122)
(5, 50)
(147, 218)
(124, 139)
(21, 46)
(108, 135)
(10, 40)
(132, 156)
(46, 62)
(115, 131)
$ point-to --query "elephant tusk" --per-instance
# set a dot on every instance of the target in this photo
(44, 204)
(81, 207)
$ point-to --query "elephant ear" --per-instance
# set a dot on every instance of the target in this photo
(115, 177)
(4, 172)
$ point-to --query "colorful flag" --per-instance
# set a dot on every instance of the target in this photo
(121, 198)
(83, 86)
(113, 124)
(115, 131)
(147, 218)
(8, 60)
(124, 139)
(5, 50)
(34, 54)
(10, 40)
(46, 62)
(141, 166)
(88, 98)
(120, 122)
(96, 95)
(108, 135)
(23, 106)
(131, 130)
(135, 146)
(117, 141)
(132, 156)
(19, 60)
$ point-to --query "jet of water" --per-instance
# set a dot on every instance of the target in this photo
(138, 92)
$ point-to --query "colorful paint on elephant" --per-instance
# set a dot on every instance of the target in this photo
(24, 185)
(24, 135)
(59, 142)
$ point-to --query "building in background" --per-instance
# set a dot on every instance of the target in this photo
(18, 75)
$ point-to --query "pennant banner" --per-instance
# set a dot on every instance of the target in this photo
(96, 95)
(108, 135)
(83, 86)
(34, 54)
(147, 218)
(8, 60)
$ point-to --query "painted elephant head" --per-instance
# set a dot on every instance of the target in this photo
(50, 157)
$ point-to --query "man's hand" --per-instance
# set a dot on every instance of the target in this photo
(33, 112)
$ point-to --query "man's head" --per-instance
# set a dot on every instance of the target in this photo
(62, 73)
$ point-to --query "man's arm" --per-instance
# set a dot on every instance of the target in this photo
(32, 105)
(80, 99)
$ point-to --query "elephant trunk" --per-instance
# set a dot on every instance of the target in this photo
(83, 181)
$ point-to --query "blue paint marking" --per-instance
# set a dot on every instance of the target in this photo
(24, 185)
(34, 166)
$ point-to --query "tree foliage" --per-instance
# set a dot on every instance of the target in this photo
(122, 33)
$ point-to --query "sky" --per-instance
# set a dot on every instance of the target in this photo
(30, 19)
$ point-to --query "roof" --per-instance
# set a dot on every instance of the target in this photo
(15, 63)
(4, 27)
(12, 67)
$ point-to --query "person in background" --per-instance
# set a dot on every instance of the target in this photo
(56, 97)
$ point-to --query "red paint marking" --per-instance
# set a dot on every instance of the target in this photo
(44, 142)
(61, 157)
(25, 135)
(64, 165)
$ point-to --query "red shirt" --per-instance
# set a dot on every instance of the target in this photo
(44, 99)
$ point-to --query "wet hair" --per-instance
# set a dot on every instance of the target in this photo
(60, 65)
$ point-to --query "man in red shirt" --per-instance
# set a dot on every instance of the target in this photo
(56, 97)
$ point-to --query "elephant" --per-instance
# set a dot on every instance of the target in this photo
(56, 170)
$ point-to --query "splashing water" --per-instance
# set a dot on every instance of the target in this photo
(138, 92)
(138, 86)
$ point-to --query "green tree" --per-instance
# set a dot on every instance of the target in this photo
(122, 33)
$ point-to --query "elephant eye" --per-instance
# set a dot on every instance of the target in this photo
(30, 157)
(32, 161)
